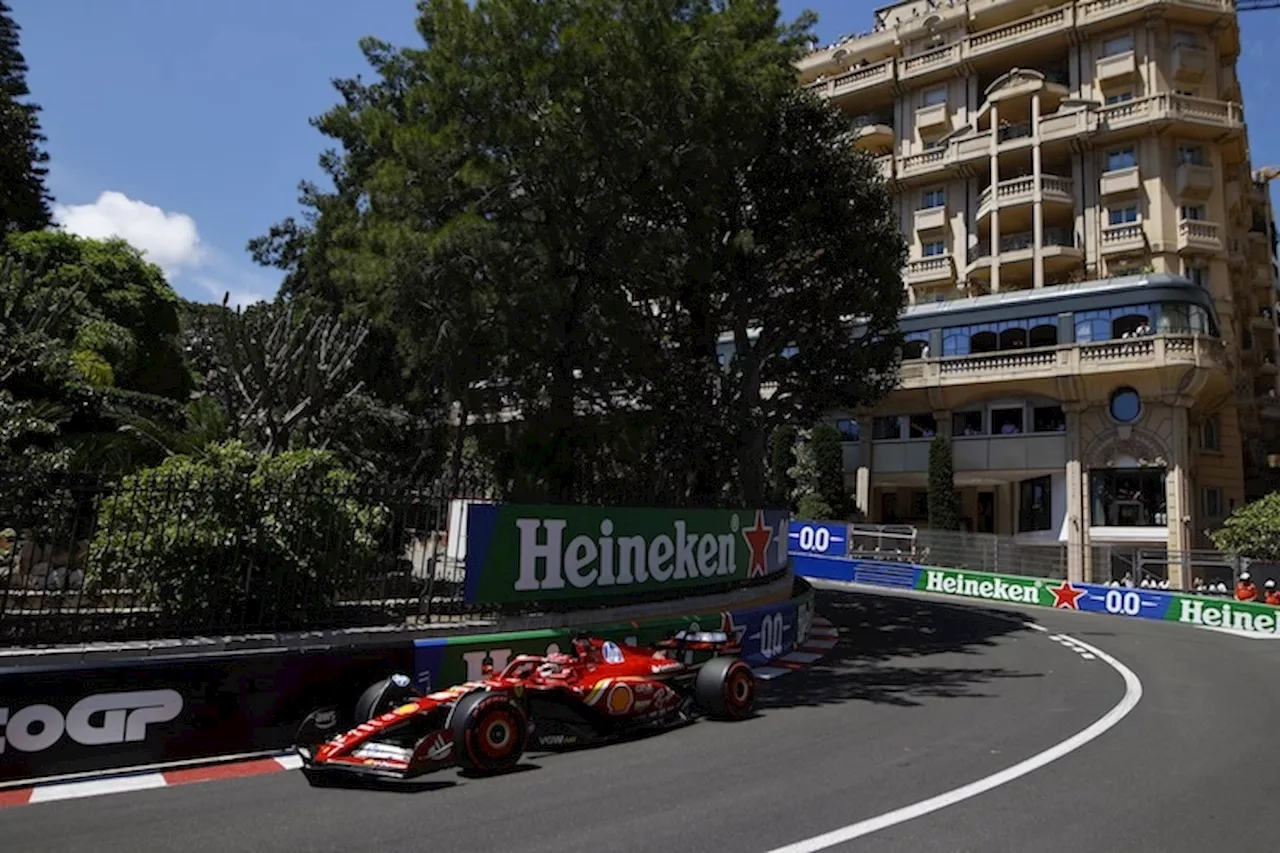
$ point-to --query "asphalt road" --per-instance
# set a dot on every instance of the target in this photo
(919, 697)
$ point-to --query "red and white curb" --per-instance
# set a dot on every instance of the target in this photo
(822, 639)
(54, 791)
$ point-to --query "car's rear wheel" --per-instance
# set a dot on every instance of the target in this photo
(490, 732)
(726, 688)
(383, 696)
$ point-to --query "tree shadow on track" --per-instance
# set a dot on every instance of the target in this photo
(880, 635)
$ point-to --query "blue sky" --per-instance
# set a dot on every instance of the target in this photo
(182, 125)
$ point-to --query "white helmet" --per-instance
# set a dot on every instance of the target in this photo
(1244, 576)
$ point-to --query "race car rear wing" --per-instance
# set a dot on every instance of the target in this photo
(701, 641)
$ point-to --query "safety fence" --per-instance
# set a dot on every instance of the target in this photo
(94, 558)
(838, 561)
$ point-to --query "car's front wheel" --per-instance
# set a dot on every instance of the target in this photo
(490, 732)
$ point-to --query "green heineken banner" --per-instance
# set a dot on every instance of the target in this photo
(519, 552)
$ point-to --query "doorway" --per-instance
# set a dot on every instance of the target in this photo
(986, 512)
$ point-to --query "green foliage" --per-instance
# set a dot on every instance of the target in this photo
(828, 458)
(558, 208)
(944, 507)
(275, 538)
(24, 199)
(820, 493)
(128, 313)
(1253, 530)
(782, 456)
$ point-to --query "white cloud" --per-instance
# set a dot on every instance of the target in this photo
(169, 240)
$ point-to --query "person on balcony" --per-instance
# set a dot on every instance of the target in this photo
(1246, 589)
(1273, 595)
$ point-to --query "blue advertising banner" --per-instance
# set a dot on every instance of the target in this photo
(818, 538)
(1121, 601)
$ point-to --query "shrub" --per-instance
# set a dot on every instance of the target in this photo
(1253, 530)
(944, 509)
(236, 539)
(782, 455)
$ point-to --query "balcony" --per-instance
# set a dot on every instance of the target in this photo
(899, 457)
(1196, 235)
(922, 163)
(1027, 451)
(938, 60)
(932, 117)
(885, 164)
(1018, 191)
(1064, 125)
(872, 132)
(1194, 180)
(1190, 63)
(1108, 11)
(1124, 239)
(1017, 251)
(931, 218)
(933, 270)
(1022, 31)
(1159, 351)
(1115, 69)
(1200, 114)
(1119, 181)
(854, 81)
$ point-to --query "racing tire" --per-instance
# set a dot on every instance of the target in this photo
(381, 697)
(490, 732)
(726, 688)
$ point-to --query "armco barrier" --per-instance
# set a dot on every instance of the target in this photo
(66, 719)
(1261, 619)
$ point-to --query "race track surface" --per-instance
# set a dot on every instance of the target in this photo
(919, 697)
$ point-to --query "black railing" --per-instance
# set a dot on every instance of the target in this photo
(94, 558)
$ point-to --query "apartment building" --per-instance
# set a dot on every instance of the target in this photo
(1091, 283)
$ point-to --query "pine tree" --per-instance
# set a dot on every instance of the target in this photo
(24, 201)
(944, 504)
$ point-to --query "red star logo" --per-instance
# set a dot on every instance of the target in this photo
(1067, 596)
(758, 539)
(734, 631)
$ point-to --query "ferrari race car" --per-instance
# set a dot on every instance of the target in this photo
(602, 691)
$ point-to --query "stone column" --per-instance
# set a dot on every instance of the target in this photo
(1078, 563)
(995, 190)
(1037, 196)
(1178, 498)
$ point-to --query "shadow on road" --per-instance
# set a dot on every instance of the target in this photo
(886, 643)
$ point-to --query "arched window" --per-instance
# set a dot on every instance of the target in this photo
(983, 342)
(1014, 338)
(1128, 325)
(1044, 335)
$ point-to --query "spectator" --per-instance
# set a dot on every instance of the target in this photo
(1246, 590)
(1198, 586)
(1273, 595)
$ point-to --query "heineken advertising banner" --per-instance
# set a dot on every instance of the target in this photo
(1135, 603)
(521, 552)
(764, 633)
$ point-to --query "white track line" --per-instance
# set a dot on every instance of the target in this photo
(1132, 695)
(95, 787)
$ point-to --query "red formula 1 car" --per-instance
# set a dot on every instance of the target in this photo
(601, 691)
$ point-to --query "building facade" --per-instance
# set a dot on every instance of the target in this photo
(1091, 284)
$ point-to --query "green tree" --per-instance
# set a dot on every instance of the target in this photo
(828, 458)
(1252, 530)
(125, 329)
(246, 540)
(559, 208)
(782, 456)
(24, 200)
(944, 507)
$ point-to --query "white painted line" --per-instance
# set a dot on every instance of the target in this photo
(289, 762)
(1033, 626)
(767, 673)
(799, 657)
(1088, 656)
(94, 787)
(1132, 695)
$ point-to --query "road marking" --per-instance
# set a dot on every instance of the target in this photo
(94, 787)
(1132, 695)
(1033, 626)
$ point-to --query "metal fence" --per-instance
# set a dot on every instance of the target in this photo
(983, 552)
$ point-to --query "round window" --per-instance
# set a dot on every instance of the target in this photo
(1125, 405)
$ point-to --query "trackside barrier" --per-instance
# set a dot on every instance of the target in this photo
(1133, 603)
(66, 719)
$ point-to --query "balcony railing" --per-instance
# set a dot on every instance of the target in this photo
(1022, 191)
(1198, 235)
(1169, 350)
(1209, 115)
(1025, 31)
(1023, 241)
